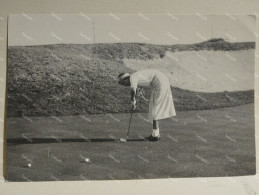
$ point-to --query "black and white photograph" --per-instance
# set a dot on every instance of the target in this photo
(129, 96)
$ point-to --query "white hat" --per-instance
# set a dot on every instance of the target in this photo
(123, 76)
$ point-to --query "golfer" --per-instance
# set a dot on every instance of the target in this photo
(161, 103)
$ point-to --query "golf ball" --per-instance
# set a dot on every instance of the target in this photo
(29, 164)
(87, 160)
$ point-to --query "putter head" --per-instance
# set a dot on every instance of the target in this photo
(123, 140)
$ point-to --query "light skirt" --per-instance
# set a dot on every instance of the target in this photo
(161, 103)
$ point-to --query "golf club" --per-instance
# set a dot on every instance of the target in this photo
(130, 122)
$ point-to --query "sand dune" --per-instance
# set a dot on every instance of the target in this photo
(80, 79)
(204, 71)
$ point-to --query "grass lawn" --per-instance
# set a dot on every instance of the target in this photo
(217, 142)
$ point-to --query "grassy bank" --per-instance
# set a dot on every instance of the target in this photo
(81, 79)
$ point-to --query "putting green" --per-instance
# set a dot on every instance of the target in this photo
(193, 144)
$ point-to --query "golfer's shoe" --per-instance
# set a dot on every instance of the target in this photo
(152, 138)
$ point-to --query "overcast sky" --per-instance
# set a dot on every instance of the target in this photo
(155, 29)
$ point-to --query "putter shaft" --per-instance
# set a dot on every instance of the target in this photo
(129, 122)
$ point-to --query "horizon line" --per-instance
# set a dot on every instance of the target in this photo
(131, 43)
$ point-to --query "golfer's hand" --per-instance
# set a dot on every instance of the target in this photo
(133, 104)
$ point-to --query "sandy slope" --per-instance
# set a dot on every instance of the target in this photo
(205, 71)
(80, 79)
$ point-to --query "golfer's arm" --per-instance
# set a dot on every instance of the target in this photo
(133, 94)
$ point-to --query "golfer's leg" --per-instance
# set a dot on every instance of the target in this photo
(155, 124)
(155, 132)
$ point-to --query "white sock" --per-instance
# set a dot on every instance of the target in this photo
(155, 133)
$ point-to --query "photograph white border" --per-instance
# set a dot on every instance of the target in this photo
(218, 185)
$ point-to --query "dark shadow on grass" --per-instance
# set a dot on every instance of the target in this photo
(17, 141)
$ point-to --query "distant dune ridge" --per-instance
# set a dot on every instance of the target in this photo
(74, 79)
